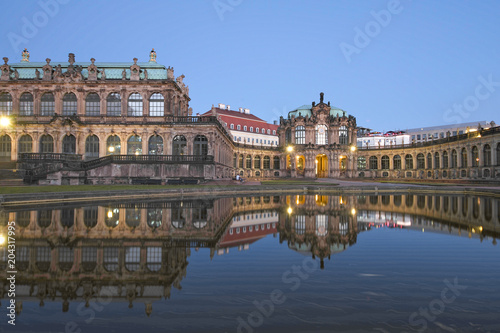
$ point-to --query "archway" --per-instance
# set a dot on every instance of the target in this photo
(321, 166)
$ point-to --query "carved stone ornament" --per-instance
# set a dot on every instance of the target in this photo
(135, 71)
(26, 56)
(170, 73)
(47, 71)
(152, 56)
(5, 68)
(92, 71)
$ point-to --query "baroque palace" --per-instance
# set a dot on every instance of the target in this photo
(89, 122)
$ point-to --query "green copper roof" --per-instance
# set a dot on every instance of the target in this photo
(305, 111)
(113, 70)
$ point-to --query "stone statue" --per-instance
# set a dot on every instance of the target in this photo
(26, 56)
(16, 74)
(37, 74)
(321, 95)
(124, 74)
(152, 56)
(103, 75)
(145, 74)
(170, 73)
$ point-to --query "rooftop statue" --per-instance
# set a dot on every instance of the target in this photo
(26, 56)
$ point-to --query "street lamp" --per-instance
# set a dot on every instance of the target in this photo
(289, 149)
(353, 148)
(4, 122)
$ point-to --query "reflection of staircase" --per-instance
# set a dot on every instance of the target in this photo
(9, 175)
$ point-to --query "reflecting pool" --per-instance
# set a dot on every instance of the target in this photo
(408, 262)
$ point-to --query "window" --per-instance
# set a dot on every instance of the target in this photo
(201, 145)
(288, 135)
(321, 135)
(475, 156)
(429, 161)
(454, 158)
(5, 104)
(276, 163)
(179, 145)
(110, 258)
(244, 128)
(498, 163)
(420, 161)
(238, 127)
(487, 155)
(156, 105)
(267, 162)
(248, 162)
(90, 215)
(373, 163)
(134, 105)
(47, 104)
(26, 105)
(232, 126)
(445, 160)
(92, 147)
(436, 160)
(464, 158)
(69, 144)
(113, 145)
(274, 132)
(256, 162)
(5, 147)
(69, 105)
(397, 162)
(384, 162)
(25, 144)
(92, 105)
(154, 218)
(257, 130)
(408, 162)
(240, 161)
(114, 105)
(46, 144)
(134, 145)
(155, 145)
(153, 258)
(132, 258)
(251, 129)
(361, 163)
(343, 136)
(300, 135)
(263, 131)
(133, 217)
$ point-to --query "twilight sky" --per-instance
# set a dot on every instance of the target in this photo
(392, 64)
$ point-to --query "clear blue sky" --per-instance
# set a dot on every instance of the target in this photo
(273, 56)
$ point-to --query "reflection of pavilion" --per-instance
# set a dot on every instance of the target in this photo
(318, 225)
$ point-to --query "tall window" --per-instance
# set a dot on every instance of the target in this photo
(155, 145)
(114, 105)
(429, 161)
(300, 135)
(46, 144)
(373, 163)
(408, 162)
(47, 104)
(288, 136)
(420, 161)
(156, 105)
(200, 145)
(454, 159)
(25, 144)
(179, 145)
(267, 162)
(91, 147)
(464, 158)
(240, 161)
(69, 144)
(5, 104)
(5, 147)
(475, 156)
(26, 104)
(487, 155)
(256, 162)
(113, 145)
(436, 160)
(498, 163)
(445, 160)
(69, 104)
(361, 163)
(343, 136)
(276, 162)
(134, 106)
(248, 162)
(321, 135)
(384, 162)
(92, 105)
(134, 145)
(397, 162)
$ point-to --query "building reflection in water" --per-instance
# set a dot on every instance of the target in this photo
(136, 252)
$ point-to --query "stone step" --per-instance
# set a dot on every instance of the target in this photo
(9, 174)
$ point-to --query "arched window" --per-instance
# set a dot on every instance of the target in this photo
(475, 156)
(498, 160)
(113, 145)
(26, 104)
(361, 163)
(288, 136)
(244, 128)
(276, 162)
(69, 144)
(200, 145)
(343, 136)
(420, 161)
(134, 145)
(154, 218)
(25, 144)
(67, 217)
(235, 160)
(445, 160)
(114, 105)
(92, 105)
(408, 162)
(300, 135)
(46, 144)
(436, 160)
(5, 104)
(5, 147)
(69, 104)
(91, 147)
(373, 163)
(238, 127)
(321, 135)
(155, 145)
(248, 162)
(454, 159)
(251, 129)
(134, 105)
(90, 216)
(179, 144)
(240, 162)
(487, 155)
(429, 161)
(257, 130)
(384, 162)
(464, 158)
(232, 126)
(133, 217)
(44, 218)
(256, 162)
(397, 162)
(47, 104)
(156, 105)
(267, 162)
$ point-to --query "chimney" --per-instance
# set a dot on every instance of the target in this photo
(228, 107)
(275, 122)
(241, 110)
(222, 106)
(247, 111)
